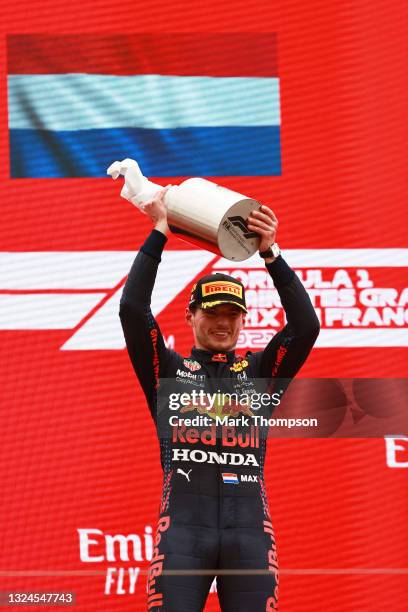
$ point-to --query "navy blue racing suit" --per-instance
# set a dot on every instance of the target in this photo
(214, 516)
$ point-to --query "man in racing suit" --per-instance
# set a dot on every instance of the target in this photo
(214, 516)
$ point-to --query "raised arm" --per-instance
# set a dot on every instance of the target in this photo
(144, 340)
(288, 349)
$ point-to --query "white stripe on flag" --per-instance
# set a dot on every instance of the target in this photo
(90, 101)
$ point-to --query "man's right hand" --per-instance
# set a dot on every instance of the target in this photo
(156, 210)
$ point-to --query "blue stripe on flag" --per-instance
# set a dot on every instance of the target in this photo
(205, 151)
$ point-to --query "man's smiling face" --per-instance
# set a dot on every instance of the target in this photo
(217, 328)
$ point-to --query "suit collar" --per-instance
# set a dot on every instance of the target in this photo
(212, 356)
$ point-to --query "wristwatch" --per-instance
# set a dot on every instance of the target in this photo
(272, 251)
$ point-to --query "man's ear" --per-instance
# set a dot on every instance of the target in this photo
(243, 320)
(189, 317)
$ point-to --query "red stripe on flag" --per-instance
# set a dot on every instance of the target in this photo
(228, 54)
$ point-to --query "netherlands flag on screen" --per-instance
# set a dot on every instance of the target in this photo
(180, 104)
(230, 478)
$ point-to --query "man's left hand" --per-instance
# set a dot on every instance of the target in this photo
(264, 223)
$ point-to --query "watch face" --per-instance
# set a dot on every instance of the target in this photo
(275, 249)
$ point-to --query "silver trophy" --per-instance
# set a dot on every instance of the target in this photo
(199, 211)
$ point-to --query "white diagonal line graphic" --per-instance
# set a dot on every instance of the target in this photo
(63, 270)
(45, 311)
(58, 290)
(328, 258)
(103, 331)
(357, 338)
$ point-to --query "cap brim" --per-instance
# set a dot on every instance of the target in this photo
(205, 305)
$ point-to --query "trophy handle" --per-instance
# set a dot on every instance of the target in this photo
(137, 188)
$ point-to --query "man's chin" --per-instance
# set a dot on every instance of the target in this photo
(222, 346)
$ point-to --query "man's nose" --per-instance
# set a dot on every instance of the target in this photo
(222, 319)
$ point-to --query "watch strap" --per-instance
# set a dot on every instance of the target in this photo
(272, 251)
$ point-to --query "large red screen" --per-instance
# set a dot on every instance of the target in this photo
(80, 460)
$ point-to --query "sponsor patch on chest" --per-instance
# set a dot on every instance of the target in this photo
(240, 365)
(191, 364)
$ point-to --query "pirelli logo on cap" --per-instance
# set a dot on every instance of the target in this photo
(221, 287)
